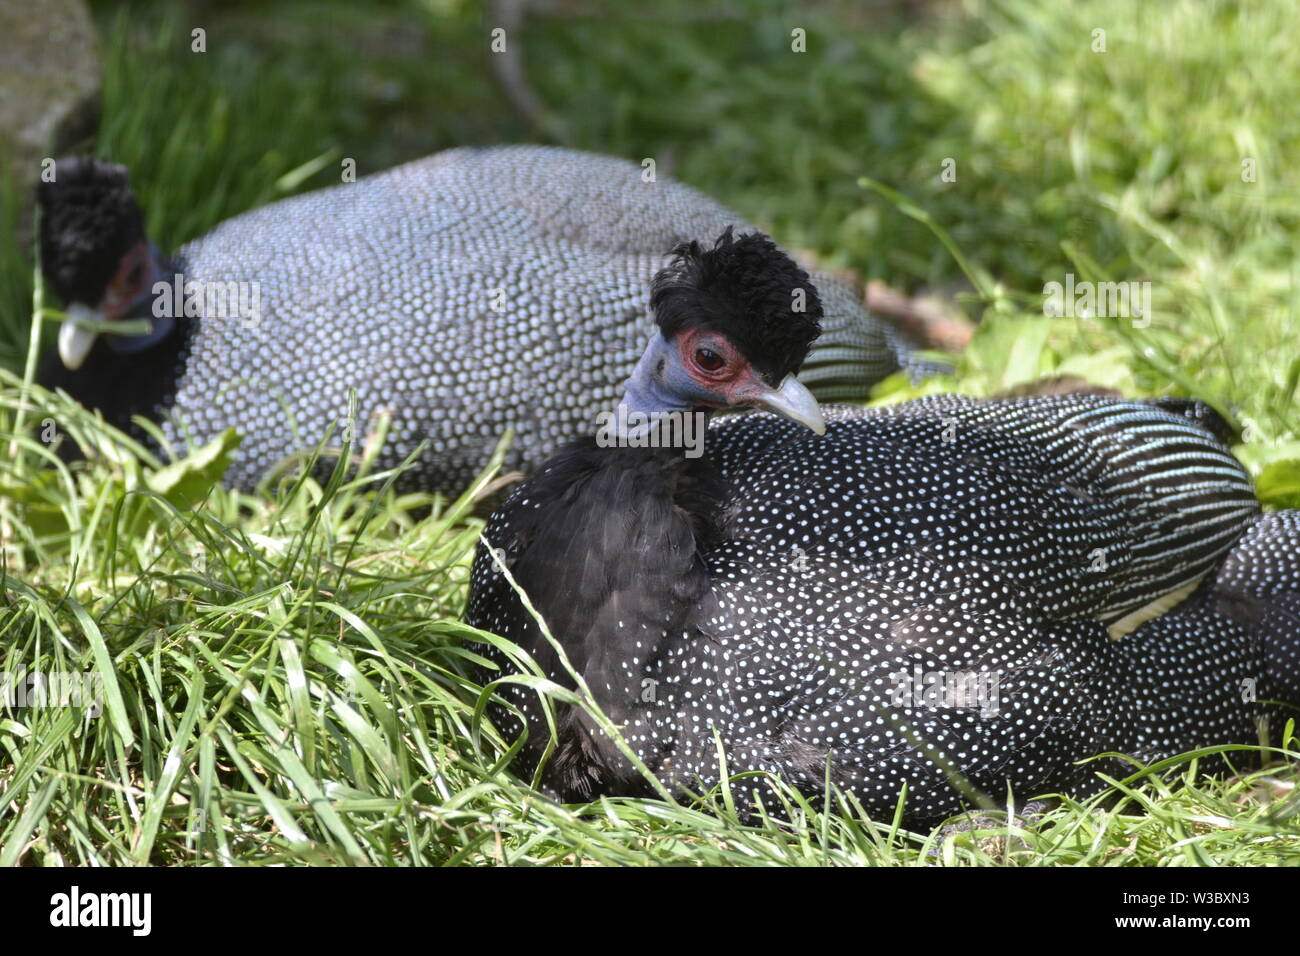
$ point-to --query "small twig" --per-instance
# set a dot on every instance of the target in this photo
(508, 66)
(928, 322)
(925, 321)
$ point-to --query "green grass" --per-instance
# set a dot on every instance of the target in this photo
(285, 676)
(285, 681)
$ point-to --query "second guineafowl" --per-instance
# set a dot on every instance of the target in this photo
(466, 293)
(947, 598)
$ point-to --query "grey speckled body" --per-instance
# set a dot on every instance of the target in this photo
(925, 592)
(466, 293)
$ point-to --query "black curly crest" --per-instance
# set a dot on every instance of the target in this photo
(89, 220)
(747, 289)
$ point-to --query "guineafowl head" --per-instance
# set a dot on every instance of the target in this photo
(735, 321)
(96, 257)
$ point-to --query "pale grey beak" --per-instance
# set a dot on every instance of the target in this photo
(75, 339)
(794, 402)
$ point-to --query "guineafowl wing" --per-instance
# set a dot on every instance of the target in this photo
(1093, 507)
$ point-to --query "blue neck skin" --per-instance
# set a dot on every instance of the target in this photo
(142, 308)
(660, 384)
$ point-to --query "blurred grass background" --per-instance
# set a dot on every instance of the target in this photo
(1123, 165)
(1117, 165)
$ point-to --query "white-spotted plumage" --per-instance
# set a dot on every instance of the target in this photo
(921, 598)
(466, 293)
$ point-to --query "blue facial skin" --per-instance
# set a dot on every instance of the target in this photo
(142, 308)
(659, 383)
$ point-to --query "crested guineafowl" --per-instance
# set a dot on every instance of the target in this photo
(951, 595)
(464, 294)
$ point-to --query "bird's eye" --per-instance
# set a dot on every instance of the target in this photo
(708, 360)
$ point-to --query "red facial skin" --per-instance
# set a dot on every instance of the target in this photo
(129, 282)
(734, 380)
